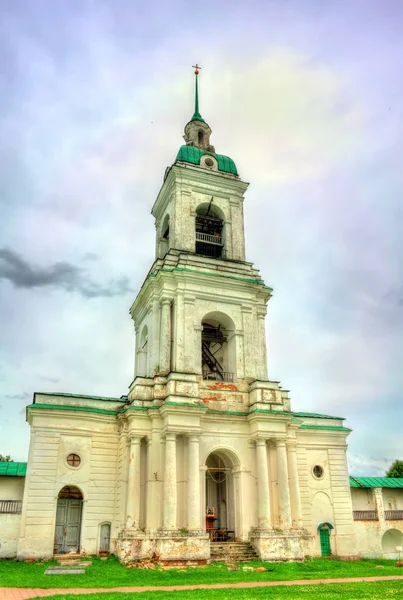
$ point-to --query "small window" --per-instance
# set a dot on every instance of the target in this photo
(318, 471)
(200, 137)
(73, 460)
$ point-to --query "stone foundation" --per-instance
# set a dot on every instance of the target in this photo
(164, 546)
(274, 545)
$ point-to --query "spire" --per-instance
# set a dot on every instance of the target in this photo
(197, 116)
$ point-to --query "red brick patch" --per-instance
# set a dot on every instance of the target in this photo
(223, 386)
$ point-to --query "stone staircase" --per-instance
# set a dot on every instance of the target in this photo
(232, 551)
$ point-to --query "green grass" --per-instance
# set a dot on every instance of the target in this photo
(341, 591)
(110, 573)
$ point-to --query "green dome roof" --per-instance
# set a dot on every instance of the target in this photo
(192, 154)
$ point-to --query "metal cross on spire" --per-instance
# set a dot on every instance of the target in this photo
(197, 116)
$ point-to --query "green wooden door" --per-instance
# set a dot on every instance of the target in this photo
(68, 525)
(325, 542)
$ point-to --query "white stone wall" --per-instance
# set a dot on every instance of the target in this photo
(55, 434)
(11, 488)
(326, 500)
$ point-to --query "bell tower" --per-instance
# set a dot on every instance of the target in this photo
(199, 316)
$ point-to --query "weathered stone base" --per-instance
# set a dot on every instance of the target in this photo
(164, 546)
(274, 545)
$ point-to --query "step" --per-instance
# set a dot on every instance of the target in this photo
(234, 551)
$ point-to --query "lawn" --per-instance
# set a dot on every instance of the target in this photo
(341, 591)
(110, 573)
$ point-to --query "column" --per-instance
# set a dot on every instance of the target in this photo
(263, 496)
(133, 483)
(295, 494)
(284, 506)
(155, 337)
(262, 370)
(378, 499)
(170, 491)
(194, 484)
(165, 337)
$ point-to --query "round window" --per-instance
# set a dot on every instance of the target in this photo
(318, 471)
(73, 460)
(209, 162)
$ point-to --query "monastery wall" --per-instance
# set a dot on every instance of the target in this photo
(11, 488)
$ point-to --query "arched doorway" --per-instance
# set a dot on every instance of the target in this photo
(324, 537)
(222, 519)
(68, 520)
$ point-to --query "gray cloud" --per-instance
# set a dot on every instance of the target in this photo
(22, 396)
(63, 275)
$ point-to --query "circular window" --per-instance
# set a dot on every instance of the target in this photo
(209, 162)
(73, 460)
(318, 471)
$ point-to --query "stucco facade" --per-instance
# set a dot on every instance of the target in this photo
(204, 446)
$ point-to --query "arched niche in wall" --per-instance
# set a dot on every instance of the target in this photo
(142, 353)
(218, 347)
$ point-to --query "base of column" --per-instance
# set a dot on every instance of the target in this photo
(272, 545)
(164, 545)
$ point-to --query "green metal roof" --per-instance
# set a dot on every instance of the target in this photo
(13, 469)
(192, 154)
(375, 482)
(316, 415)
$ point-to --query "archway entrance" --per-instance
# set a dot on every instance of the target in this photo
(68, 520)
(221, 506)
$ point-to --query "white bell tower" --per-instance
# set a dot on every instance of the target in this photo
(200, 314)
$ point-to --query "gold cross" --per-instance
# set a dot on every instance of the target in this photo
(196, 67)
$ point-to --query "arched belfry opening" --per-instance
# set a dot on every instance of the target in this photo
(209, 231)
(218, 347)
(164, 237)
(221, 505)
(68, 520)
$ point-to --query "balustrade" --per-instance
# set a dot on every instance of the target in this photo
(365, 515)
(10, 506)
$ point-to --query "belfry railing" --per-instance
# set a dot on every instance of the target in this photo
(222, 376)
(208, 238)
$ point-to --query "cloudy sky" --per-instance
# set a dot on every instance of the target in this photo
(304, 95)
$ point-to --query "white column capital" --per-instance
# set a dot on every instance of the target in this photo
(280, 443)
(170, 436)
(133, 439)
(260, 441)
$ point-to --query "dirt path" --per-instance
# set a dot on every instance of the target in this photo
(25, 593)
